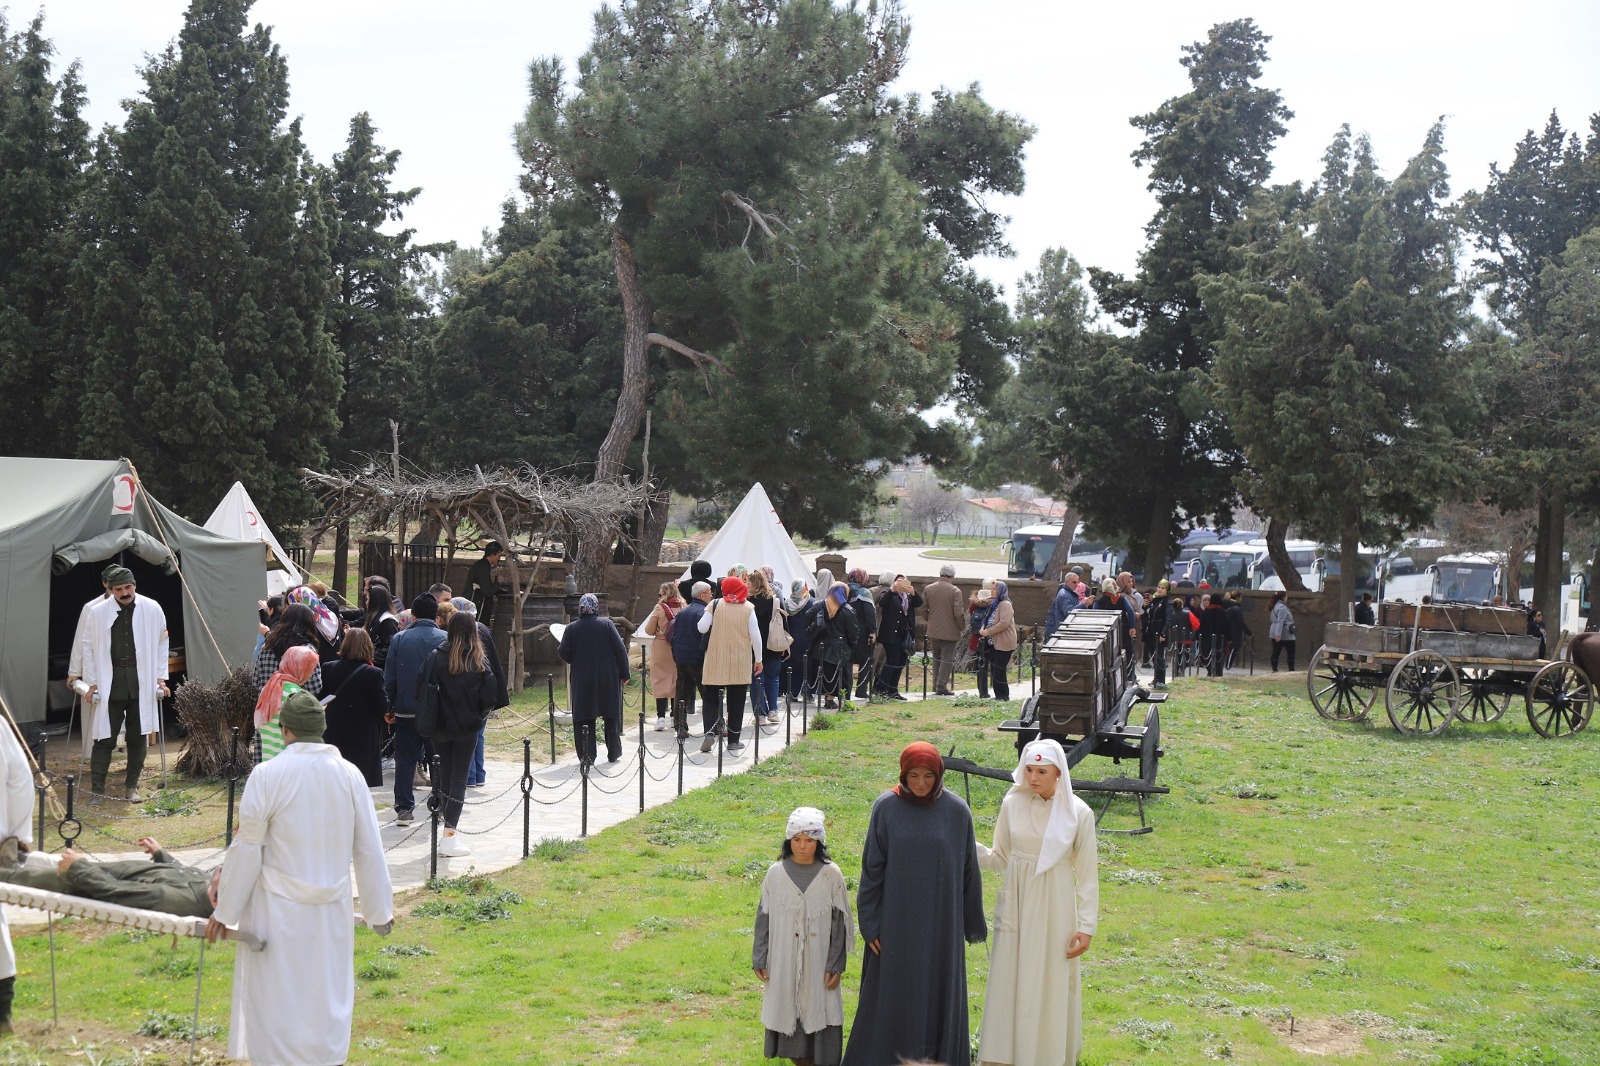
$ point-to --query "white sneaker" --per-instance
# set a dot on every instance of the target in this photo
(451, 846)
(661, 723)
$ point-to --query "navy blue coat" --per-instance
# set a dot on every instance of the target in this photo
(599, 660)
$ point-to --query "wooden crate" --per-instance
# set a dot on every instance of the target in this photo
(1347, 636)
(1450, 645)
(1070, 715)
(1096, 623)
(1434, 616)
(1507, 646)
(1501, 621)
(1074, 667)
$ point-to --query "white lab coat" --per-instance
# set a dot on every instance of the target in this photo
(16, 819)
(75, 663)
(305, 816)
(150, 648)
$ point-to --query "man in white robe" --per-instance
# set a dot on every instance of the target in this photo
(16, 821)
(124, 659)
(305, 816)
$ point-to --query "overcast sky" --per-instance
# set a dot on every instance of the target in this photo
(445, 82)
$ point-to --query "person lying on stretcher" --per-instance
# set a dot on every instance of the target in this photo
(162, 884)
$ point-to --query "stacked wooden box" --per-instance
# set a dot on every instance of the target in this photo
(1079, 673)
(1458, 619)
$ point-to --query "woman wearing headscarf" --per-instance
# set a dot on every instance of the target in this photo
(803, 938)
(834, 632)
(292, 673)
(296, 628)
(801, 604)
(663, 669)
(866, 609)
(733, 656)
(977, 609)
(813, 667)
(919, 903)
(897, 632)
(997, 640)
(327, 628)
(1044, 915)
(593, 648)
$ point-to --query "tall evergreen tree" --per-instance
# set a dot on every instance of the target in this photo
(44, 155)
(206, 279)
(1524, 219)
(1340, 368)
(1208, 152)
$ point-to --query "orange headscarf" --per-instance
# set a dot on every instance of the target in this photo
(295, 668)
(919, 753)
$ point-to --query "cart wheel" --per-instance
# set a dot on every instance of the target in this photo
(1150, 746)
(1482, 700)
(1424, 691)
(1336, 691)
(1560, 700)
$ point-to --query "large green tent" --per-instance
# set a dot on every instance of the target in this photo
(60, 521)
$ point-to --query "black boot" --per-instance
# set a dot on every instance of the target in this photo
(8, 992)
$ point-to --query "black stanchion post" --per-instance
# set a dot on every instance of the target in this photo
(550, 690)
(641, 760)
(527, 791)
(583, 772)
(43, 791)
(680, 765)
(788, 707)
(720, 740)
(435, 810)
(805, 683)
(70, 827)
(804, 713)
(757, 758)
(1033, 667)
(233, 784)
(924, 667)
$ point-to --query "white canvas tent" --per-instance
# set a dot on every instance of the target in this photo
(754, 535)
(238, 518)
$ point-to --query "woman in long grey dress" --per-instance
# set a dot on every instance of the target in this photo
(919, 903)
(1044, 917)
(803, 938)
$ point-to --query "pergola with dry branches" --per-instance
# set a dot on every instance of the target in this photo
(527, 510)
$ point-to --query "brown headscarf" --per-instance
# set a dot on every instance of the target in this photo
(919, 753)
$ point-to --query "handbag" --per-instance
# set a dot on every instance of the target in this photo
(428, 701)
(779, 639)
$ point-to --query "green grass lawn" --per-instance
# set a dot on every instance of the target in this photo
(1430, 900)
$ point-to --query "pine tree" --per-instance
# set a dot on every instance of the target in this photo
(44, 156)
(206, 279)
(1208, 152)
(1340, 369)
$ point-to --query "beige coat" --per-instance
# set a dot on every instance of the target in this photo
(947, 610)
(1003, 633)
(663, 670)
(735, 645)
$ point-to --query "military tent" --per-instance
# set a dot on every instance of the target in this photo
(61, 520)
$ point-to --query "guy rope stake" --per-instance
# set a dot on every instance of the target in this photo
(527, 789)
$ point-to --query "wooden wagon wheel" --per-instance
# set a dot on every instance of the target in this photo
(1560, 700)
(1424, 691)
(1336, 690)
(1150, 746)
(1482, 700)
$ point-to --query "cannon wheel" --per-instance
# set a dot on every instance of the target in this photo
(1150, 746)
(1560, 700)
(1481, 699)
(1335, 690)
(1423, 694)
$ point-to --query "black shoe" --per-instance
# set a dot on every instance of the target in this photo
(899, 696)
(402, 817)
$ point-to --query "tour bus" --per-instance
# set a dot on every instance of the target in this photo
(1186, 567)
(1246, 566)
(1030, 548)
(1466, 578)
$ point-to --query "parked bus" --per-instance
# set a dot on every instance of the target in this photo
(1186, 567)
(1246, 566)
(1029, 550)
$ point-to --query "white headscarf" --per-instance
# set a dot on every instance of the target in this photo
(1063, 823)
(807, 820)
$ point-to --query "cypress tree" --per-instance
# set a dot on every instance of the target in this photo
(206, 279)
(44, 155)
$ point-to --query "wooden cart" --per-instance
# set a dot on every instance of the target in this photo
(1442, 664)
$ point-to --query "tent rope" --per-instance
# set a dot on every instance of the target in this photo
(183, 579)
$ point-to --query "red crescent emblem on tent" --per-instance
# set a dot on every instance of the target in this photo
(123, 490)
(252, 516)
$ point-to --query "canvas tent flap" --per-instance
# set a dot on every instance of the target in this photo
(47, 504)
(109, 544)
(754, 536)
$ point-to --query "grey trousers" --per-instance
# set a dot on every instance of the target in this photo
(944, 664)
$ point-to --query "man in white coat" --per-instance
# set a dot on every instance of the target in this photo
(16, 828)
(124, 658)
(305, 817)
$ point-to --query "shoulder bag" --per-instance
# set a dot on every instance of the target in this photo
(779, 639)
